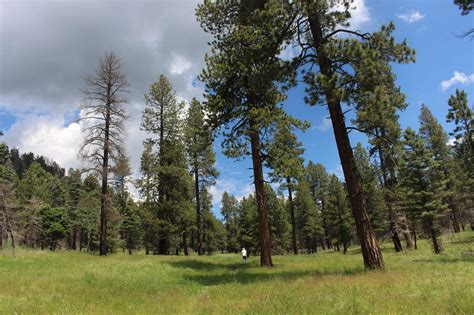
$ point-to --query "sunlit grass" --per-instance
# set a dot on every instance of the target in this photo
(71, 282)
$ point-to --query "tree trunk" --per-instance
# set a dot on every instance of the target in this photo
(414, 236)
(370, 249)
(104, 189)
(454, 219)
(185, 244)
(435, 241)
(163, 246)
(74, 238)
(264, 226)
(198, 209)
(396, 240)
(292, 215)
(402, 218)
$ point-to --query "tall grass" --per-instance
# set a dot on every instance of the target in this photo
(414, 282)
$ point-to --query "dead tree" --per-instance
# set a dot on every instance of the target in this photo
(102, 120)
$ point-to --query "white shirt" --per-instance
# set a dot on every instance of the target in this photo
(244, 253)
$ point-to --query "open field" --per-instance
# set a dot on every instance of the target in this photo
(69, 282)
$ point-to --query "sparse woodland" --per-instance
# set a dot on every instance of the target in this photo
(405, 186)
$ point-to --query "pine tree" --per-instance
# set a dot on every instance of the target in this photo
(87, 216)
(284, 158)
(161, 118)
(279, 224)
(318, 180)
(338, 213)
(337, 57)
(201, 158)
(424, 187)
(229, 211)
(309, 223)
(378, 101)
(248, 226)
(242, 90)
(373, 193)
(462, 116)
(73, 196)
(436, 139)
(103, 127)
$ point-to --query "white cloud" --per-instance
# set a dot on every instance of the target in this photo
(179, 64)
(324, 125)
(458, 77)
(411, 17)
(233, 187)
(360, 14)
(46, 135)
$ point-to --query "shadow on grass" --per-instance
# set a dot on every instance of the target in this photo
(246, 274)
(446, 260)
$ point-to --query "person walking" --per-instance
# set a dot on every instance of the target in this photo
(244, 255)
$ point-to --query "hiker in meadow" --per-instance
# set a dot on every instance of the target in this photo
(244, 255)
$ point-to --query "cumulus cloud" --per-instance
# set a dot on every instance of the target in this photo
(458, 77)
(47, 135)
(43, 67)
(411, 17)
(360, 14)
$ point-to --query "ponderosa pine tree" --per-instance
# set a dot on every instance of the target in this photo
(103, 116)
(318, 179)
(73, 196)
(423, 185)
(201, 159)
(336, 58)
(373, 194)
(462, 116)
(130, 221)
(229, 211)
(161, 118)
(279, 225)
(54, 224)
(378, 101)
(286, 161)
(242, 90)
(338, 214)
(308, 219)
(248, 226)
(436, 139)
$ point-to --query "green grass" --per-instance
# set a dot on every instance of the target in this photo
(415, 282)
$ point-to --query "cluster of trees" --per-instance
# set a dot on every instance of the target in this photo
(405, 182)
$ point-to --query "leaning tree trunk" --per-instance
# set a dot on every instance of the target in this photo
(264, 226)
(370, 249)
(292, 215)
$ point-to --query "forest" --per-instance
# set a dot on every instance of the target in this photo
(404, 191)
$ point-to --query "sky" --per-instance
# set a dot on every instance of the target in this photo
(48, 47)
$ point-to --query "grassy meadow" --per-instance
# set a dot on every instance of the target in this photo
(415, 282)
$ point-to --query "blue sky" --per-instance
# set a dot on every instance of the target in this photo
(39, 92)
